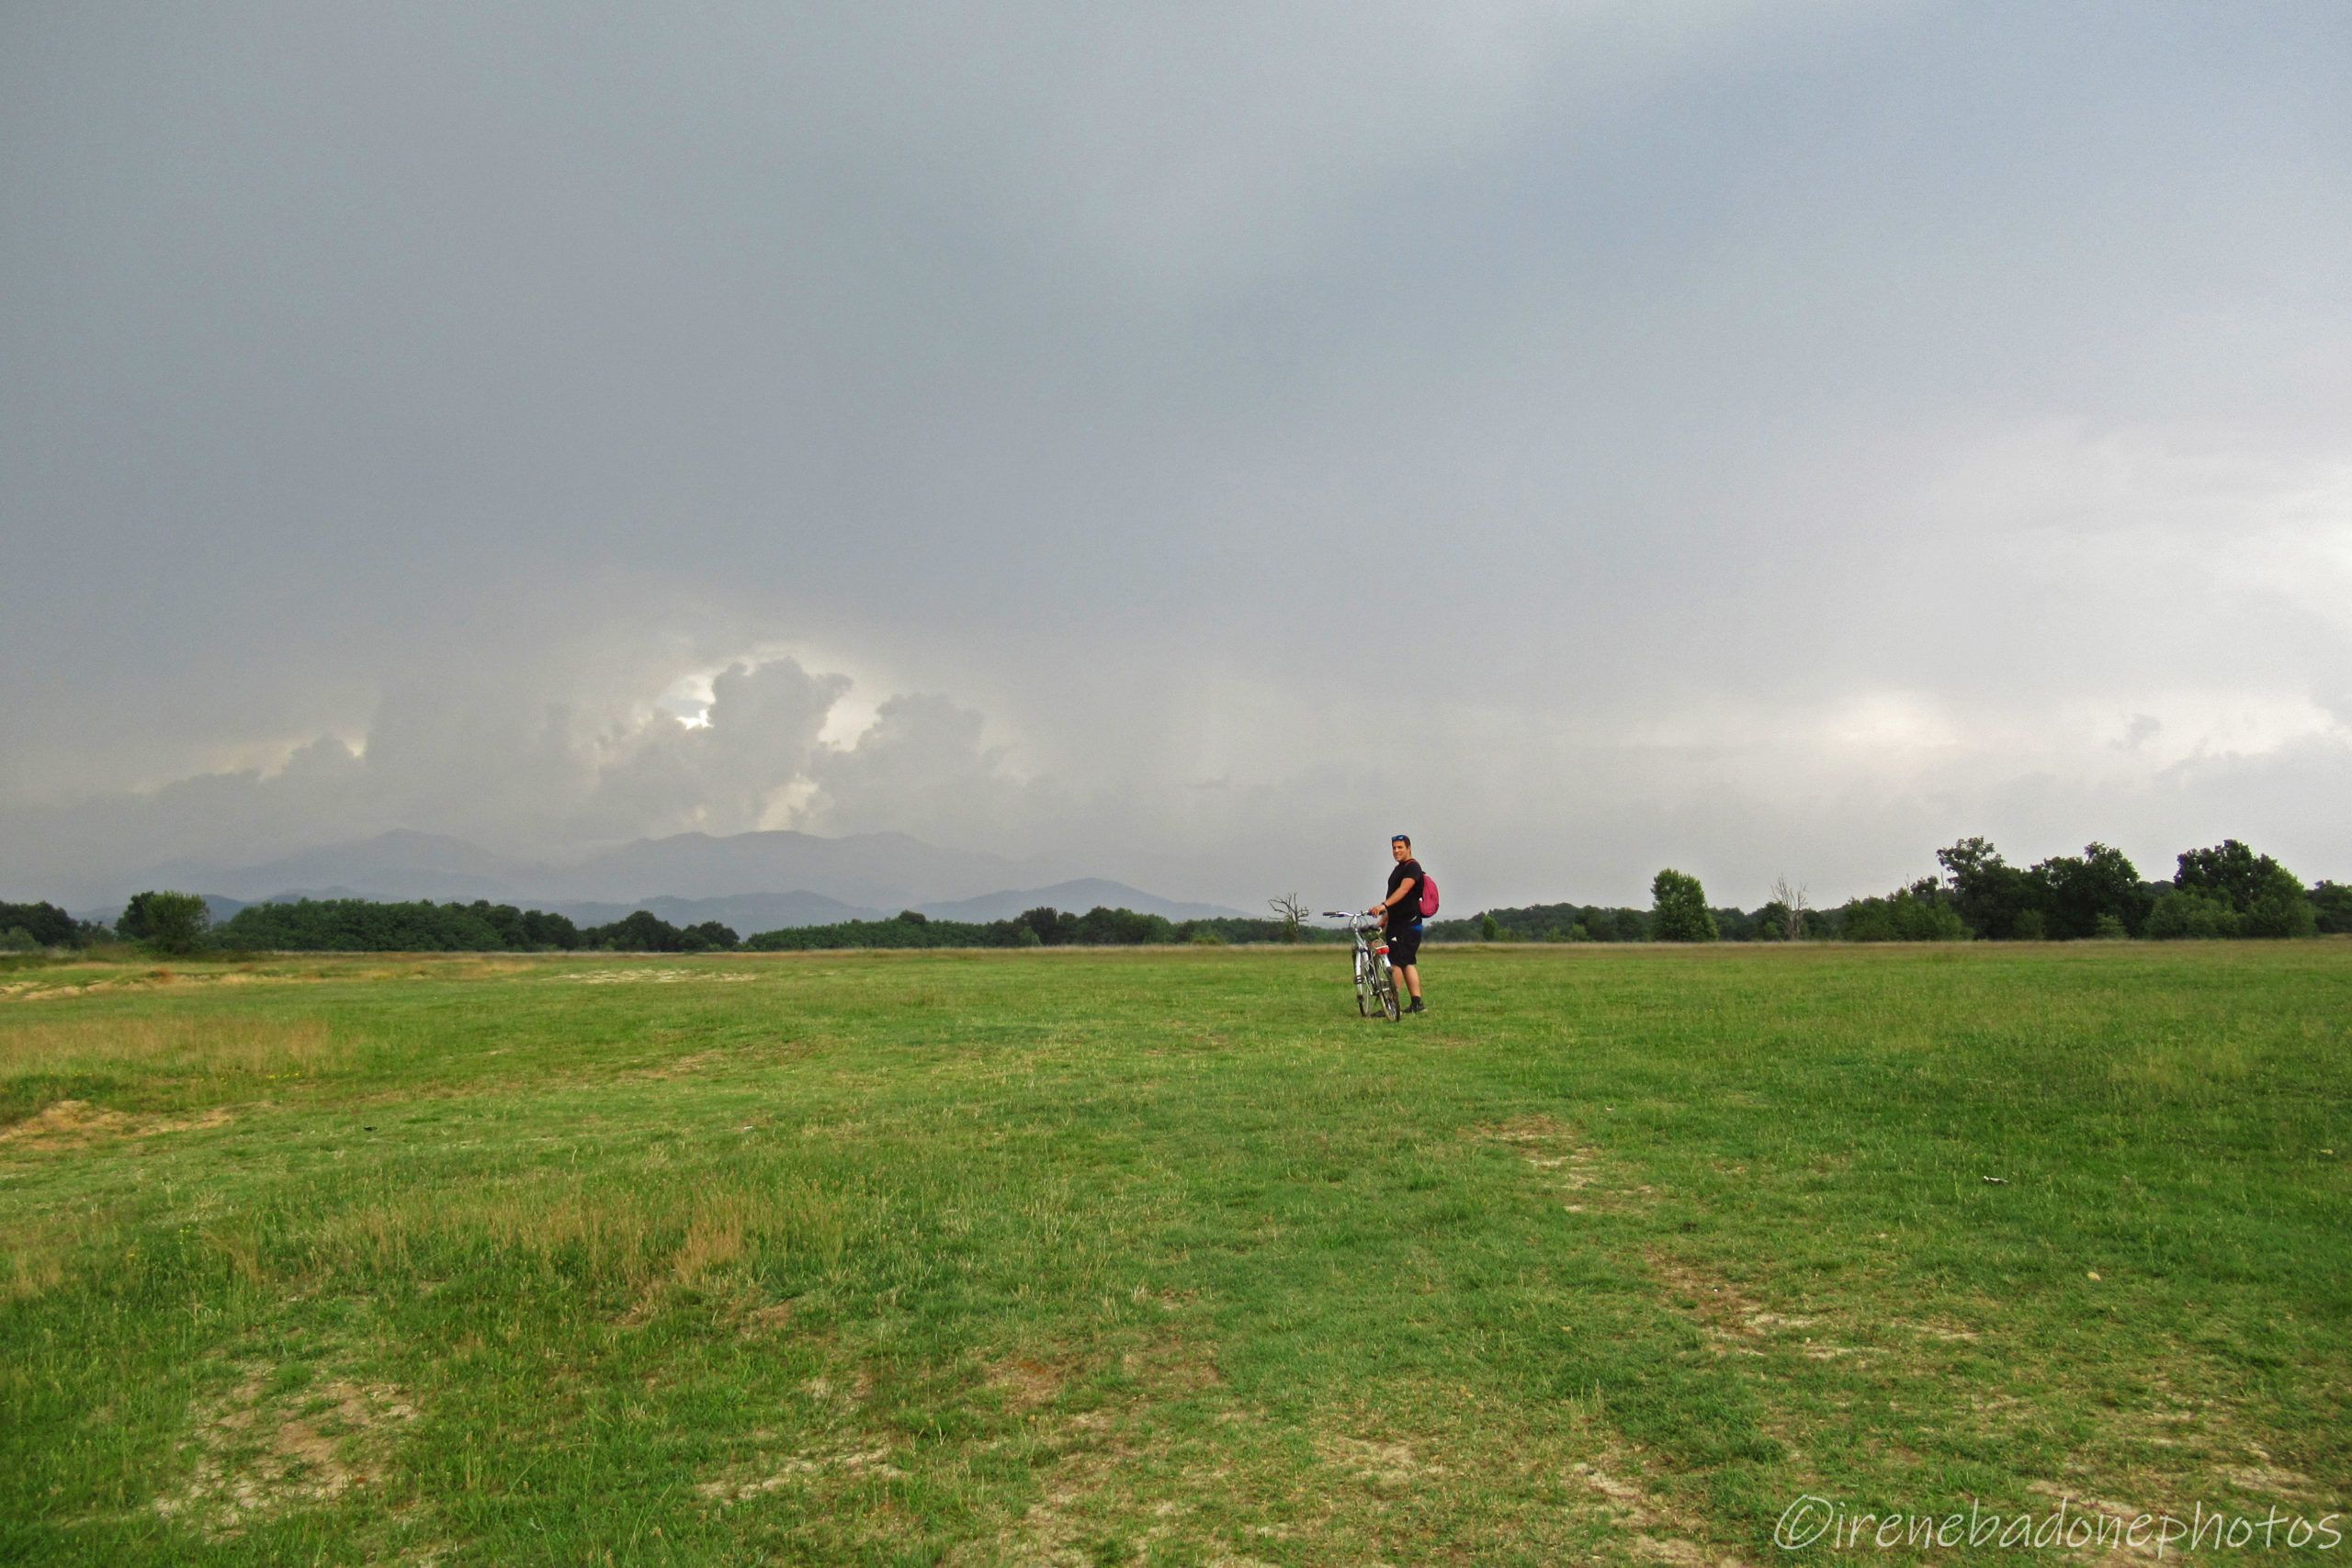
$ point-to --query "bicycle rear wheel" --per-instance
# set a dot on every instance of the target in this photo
(1387, 978)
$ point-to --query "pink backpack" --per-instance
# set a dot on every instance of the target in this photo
(1429, 894)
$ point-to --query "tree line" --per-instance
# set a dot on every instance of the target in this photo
(180, 923)
(2226, 890)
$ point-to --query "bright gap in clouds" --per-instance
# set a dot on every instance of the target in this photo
(689, 698)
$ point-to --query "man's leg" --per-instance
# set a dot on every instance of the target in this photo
(1413, 980)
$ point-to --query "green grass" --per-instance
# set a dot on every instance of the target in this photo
(1165, 1256)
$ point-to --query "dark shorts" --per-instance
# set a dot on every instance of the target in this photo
(1405, 946)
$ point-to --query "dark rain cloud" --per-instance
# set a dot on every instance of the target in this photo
(1757, 438)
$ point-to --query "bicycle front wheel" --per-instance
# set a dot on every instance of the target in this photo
(1365, 992)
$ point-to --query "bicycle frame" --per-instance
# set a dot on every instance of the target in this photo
(1375, 979)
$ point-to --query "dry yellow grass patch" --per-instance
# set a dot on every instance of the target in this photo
(259, 1455)
(213, 1043)
(1661, 1532)
(1392, 1466)
(798, 1470)
(651, 977)
(1025, 1384)
(1562, 1161)
(1092, 1479)
(73, 1124)
(2169, 1448)
(650, 1242)
(31, 1273)
(1732, 1319)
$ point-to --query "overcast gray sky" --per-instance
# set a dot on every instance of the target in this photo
(1190, 441)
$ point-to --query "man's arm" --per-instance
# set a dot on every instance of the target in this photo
(1402, 888)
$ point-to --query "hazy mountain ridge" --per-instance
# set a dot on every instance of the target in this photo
(750, 882)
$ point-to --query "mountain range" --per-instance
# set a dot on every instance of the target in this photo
(748, 881)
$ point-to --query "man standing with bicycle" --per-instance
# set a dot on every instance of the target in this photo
(1402, 908)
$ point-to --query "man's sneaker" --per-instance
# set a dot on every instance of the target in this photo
(1417, 1006)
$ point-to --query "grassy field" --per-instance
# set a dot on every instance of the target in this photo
(1166, 1257)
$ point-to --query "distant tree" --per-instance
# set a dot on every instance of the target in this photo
(503, 922)
(1993, 898)
(16, 939)
(45, 924)
(712, 937)
(1046, 921)
(1105, 927)
(2183, 914)
(540, 929)
(1678, 909)
(2229, 869)
(2281, 908)
(1487, 929)
(1291, 912)
(1793, 905)
(1909, 914)
(2268, 899)
(169, 922)
(2076, 892)
(640, 931)
(2332, 906)
(913, 918)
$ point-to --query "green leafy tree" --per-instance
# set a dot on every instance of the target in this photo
(540, 929)
(710, 936)
(2078, 892)
(1487, 929)
(642, 930)
(1678, 909)
(1910, 914)
(46, 924)
(16, 939)
(2332, 906)
(2282, 907)
(168, 922)
(2182, 914)
(1049, 924)
(1993, 897)
(2268, 899)
(2229, 869)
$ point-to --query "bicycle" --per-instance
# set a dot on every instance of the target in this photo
(1376, 979)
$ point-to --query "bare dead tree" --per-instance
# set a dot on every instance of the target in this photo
(1290, 912)
(1793, 906)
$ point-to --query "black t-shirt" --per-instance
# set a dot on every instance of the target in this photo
(1408, 912)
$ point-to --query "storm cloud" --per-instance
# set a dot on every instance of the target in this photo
(1189, 442)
